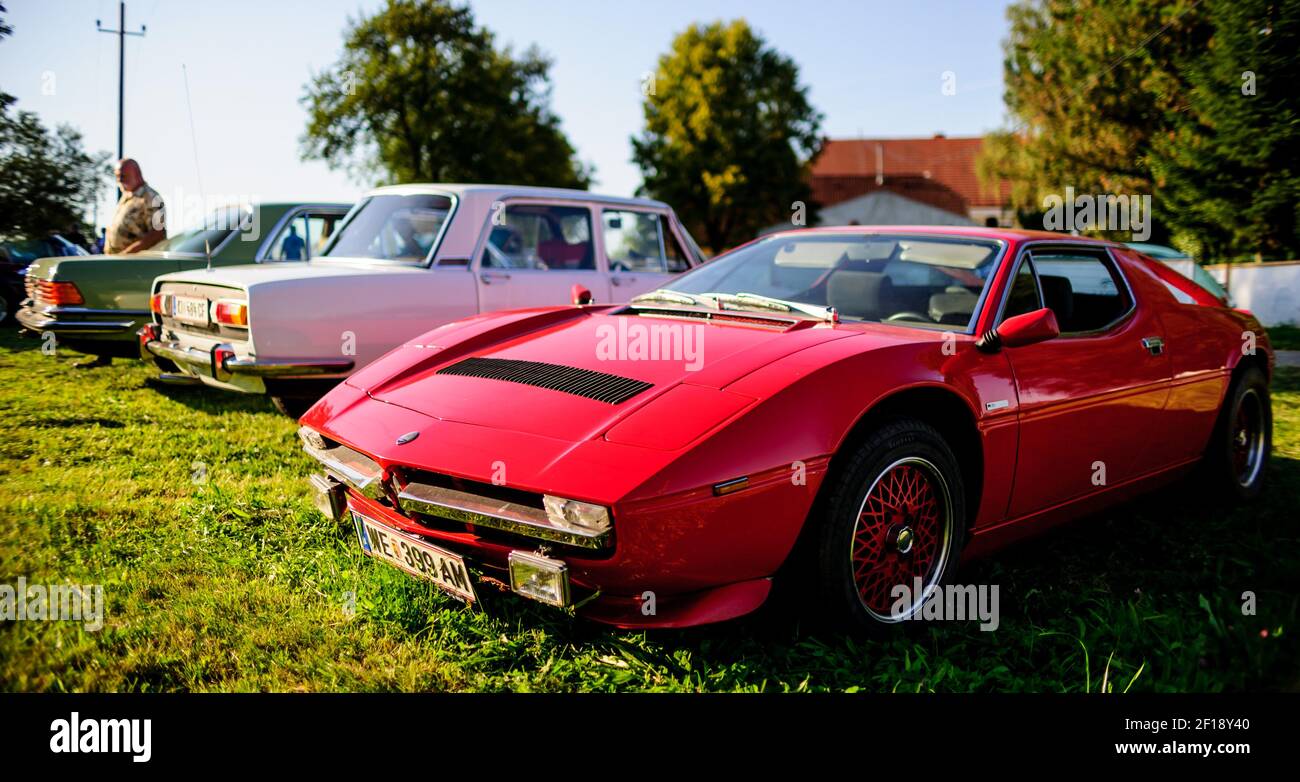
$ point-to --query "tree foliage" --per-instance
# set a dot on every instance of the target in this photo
(729, 133)
(1145, 97)
(47, 179)
(1228, 164)
(421, 94)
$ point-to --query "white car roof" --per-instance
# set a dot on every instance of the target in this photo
(467, 192)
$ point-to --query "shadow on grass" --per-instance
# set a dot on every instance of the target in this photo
(1155, 582)
(214, 401)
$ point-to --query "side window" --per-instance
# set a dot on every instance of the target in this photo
(1084, 290)
(1023, 296)
(291, 243)
(320, 229)
(641, 242)
(543, 237)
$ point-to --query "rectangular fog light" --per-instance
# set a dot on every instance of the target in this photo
(540, 578)
(327, 493)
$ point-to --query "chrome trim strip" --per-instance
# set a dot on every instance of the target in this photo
(57, 310)
(33, 320)
(315, 366)
(495, 514)
(351, 467)
(174, 351)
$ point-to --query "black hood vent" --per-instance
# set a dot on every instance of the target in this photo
(571, 380)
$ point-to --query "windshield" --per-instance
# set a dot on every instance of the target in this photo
(218, 225)
(927, 281)
(392, 228)
(192, 241)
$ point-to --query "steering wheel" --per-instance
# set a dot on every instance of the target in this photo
(908, 315)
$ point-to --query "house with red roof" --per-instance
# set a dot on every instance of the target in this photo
(938, 172)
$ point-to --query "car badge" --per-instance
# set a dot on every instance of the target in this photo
(408, 437)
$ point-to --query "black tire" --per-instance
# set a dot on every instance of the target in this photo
(292, 406)
(1236, 460)
(934, 529)
(8, 308)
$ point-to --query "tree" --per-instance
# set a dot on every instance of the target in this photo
(729, 134)
(47, 179)
(1228, 167)
(421, 94)
(1193, 102)
(1089, 84)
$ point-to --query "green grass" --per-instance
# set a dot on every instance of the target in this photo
(236, 583)
(1284, 337)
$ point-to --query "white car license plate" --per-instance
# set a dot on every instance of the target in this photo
(190, 310)
(443, 568)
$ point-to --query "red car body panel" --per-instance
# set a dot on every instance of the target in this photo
(770, 403)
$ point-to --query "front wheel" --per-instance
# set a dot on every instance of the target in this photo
(895, 527)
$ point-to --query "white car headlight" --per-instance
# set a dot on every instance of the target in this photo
(580, 517)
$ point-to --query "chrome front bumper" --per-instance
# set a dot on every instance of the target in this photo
(221, 363)
(78, 320)
(345, 466)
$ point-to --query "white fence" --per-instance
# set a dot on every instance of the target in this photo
(1270, 290)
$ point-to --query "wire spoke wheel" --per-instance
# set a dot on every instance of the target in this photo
(903, 536)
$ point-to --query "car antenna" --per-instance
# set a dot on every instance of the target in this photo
(194, 144)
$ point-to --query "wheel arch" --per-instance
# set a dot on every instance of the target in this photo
(939, 406)
(936, 404)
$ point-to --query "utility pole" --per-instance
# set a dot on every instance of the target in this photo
(121, 33)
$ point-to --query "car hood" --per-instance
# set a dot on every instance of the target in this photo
(249, 275)
(673, 361)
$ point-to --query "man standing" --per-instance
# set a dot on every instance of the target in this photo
(138, 224)
(140, 221)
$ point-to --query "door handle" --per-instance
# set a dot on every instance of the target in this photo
(1155, 345)
(614, 279)
(489, 277)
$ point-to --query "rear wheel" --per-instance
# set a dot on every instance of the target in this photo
(1239, 449)
(894, 529)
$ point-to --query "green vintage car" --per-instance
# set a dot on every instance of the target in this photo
(96, 303)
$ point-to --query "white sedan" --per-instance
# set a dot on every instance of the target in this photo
(406, 259)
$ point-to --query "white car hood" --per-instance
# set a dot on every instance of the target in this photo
(249, 275)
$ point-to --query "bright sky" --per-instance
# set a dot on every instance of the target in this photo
(874, 68)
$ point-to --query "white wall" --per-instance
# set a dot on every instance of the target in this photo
(1270, 290)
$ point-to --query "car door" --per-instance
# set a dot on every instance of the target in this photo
(642, 252)
(1091, 400)
(532, 253)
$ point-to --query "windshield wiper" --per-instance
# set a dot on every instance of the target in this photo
(752, 301)
(673, 297)
(758, 301)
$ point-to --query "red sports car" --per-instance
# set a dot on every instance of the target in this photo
(853, 408)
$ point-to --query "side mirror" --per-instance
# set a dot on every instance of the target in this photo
(1028, 329)
(580, 295)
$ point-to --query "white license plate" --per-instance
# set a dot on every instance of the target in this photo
(443, 568)
(190, 310)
